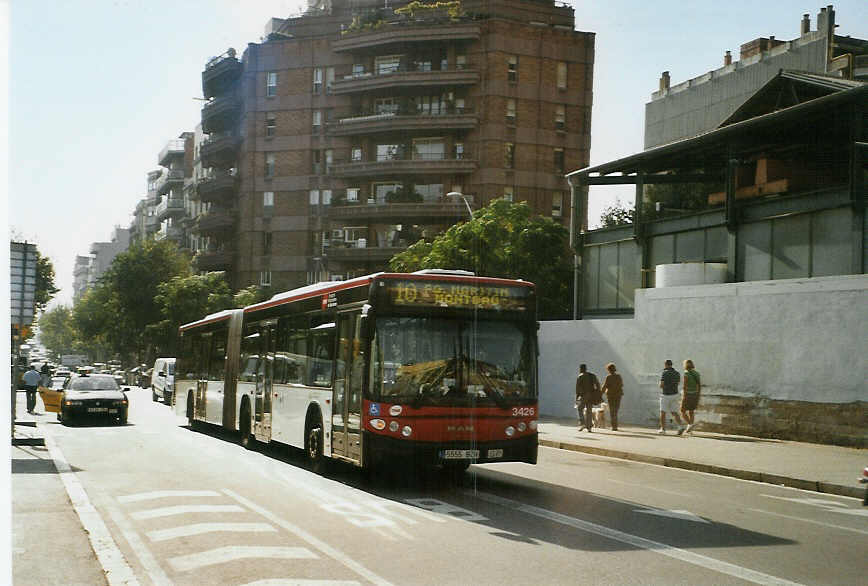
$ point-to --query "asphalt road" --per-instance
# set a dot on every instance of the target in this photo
(179, 506)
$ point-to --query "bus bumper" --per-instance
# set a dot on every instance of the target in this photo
(385, 450)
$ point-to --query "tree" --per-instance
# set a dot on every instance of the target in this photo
(503, 239)
(56, 330)
(250, 295)
(45, 288)
(616, 214)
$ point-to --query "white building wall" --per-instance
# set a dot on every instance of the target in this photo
(783, 340)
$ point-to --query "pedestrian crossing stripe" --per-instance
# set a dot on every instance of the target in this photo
(221, 555)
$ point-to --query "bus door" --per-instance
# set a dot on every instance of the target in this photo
(347, 393)
(264, 376)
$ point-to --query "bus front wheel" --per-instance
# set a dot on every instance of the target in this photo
(313, 445)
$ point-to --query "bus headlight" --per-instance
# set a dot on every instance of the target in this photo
(510, 431)
(407, 431)
(378, 424)
(522, 426)
(532, 425)
(393, 426)
(395, 410)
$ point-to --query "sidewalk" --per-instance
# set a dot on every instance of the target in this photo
(822, 468)
(49, 545)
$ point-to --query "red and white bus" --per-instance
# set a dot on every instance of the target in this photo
(434, 368)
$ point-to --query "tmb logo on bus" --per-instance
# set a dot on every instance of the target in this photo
(329, 300)
(374, 409)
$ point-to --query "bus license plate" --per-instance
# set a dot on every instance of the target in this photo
(459, 454)
(494, 453)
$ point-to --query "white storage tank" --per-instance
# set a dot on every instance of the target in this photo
(689, 273)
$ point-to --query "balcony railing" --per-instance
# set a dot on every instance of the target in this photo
(169, 233)
(446, 210)
(215, 221)
(404, 77)
(407, 32)
(213, 259)
(174, 148)
(218, 187)
(220, 73)
(413, 166)
(220, 114)
(171, 178)
(219, 150)
(370, 122)
(172, 206)
(356, 254)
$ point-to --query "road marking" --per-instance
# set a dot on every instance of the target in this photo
(322, 546)
(824, 504)
(183, 510)
(290, 582)
(674, 514)
(159, 494)
(811, 521)
(654, 488)
(230, 553)
(445, 509)
(200, 528)
(636, 541)
(117, 569)
(140, 550)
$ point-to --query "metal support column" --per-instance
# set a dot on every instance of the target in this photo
(731, 220)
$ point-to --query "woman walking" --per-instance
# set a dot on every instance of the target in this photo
(690, 397)
(613, 386)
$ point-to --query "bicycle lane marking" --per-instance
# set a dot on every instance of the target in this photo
(636, 541)
(114, 564)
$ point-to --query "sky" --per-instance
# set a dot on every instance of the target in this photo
(96, 88)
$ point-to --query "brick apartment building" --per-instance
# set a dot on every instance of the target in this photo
(332, 144)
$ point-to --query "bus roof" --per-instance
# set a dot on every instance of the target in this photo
(214, 317)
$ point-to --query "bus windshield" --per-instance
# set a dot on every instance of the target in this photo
(452, 362)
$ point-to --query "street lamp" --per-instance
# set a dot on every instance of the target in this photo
(464, 199)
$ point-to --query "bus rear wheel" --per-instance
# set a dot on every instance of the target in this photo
(313, 436)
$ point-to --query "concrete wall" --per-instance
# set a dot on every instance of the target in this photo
(784, 358)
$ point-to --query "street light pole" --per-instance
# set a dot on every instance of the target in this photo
(464, 199)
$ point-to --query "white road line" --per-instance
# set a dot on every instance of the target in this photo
(221, 555)
(322, 546)
(183, 510)
(291, 582)
(823, 504)
(830, 525)
(117, 569)
(636, 541)
(200, 528)
(654, 488)
(146, 558)
(159, 494)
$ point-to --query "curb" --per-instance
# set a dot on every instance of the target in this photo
(813, 485)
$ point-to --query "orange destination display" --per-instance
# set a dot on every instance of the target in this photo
(405, 293)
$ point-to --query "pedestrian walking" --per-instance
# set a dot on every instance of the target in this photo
(31, 379)
(613, 387)
(669, 379)
(587, 394)
(692, 384)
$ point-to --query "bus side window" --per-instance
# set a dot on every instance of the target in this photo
(320, 347)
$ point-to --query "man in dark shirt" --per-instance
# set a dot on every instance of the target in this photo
(669, 398)
(587, 391)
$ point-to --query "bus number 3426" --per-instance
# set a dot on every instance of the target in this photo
(523, 411)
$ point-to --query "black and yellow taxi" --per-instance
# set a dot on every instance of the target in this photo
(88, 396)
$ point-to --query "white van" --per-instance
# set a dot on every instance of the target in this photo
(163, 380)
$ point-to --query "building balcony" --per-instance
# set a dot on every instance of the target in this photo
(169, 208)
(151, 224)
(220, 114)
(220, 74)
(175, 233)
(215, 222)
(399, 78)
(361, 124)
(392, 167)
(220, 187)
(213, 260)
(446, 210)
(355, 254)
(174, 149)
(406, 32)
(171, 178)
(219, 150)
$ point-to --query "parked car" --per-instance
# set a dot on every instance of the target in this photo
(145, 378)
(120, 377)
(864, 480)
(88, 395)
(163, 380)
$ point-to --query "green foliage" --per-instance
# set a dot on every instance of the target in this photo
(57, 332)
(616, 214)
(45, 288)
(503, 239)
(250, 295)
(420, 10)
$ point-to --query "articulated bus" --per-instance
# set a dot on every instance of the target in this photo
(435, 368)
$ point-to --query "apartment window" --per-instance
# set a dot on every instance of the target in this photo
(268, 199)
(559, 161)
(326, 197)
(560, 117)
(509, 155)
(329, 157)
(508, 193)
(352, 234)
(459, 150)
(266, 242)
(314, 197)
(512, 68)
(386, 106)
(358, 69)
(265, 278)
(330, 79)
(459, 105)
(557, 204)
(430, 192)
(269, 164)
(461, 62)
(352, 194)
(317, 80)
(356, 154)
(317, 119)
(387, 64)
(316, 159)
(270, 125)
(510, 111)
(388, 152)
(381, 190)
(562, 75)
(429, 149)
(431, 104)
(271, 83)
